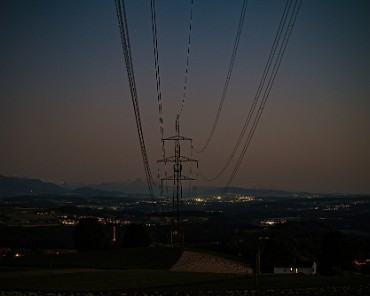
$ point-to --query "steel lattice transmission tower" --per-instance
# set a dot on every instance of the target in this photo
(177, 228)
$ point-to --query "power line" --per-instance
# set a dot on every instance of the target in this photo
(287, 32)
(271, 80)
(228, 76)
(125, 41)
(159, 93)
(258, 92)
(156, 64)
(187, 61)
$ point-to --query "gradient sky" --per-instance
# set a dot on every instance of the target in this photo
(66, 111)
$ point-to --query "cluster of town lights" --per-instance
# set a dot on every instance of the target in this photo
(229, 199)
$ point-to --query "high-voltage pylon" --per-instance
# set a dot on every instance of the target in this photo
(177, 228)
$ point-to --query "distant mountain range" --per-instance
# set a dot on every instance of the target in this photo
(135, 186)
(22, 186)
(15, 186)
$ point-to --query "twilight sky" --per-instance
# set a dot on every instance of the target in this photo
(66, 111)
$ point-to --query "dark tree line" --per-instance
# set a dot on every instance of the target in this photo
(282, 245)
(286, 244)
(89, 235)
(51, 237)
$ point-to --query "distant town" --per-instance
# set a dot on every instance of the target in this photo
(287, 227)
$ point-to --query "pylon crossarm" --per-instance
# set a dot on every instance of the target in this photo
(182, 178)
(177, 137)
(167, 159)
(185, 178)
(181, 159)
(187, 159)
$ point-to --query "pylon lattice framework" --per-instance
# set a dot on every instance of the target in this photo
(177, 229)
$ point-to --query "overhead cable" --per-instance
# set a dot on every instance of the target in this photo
(122, 21)
(258, 92)
(228, 76)
(156, 64)
(287, 33)
(187, 61)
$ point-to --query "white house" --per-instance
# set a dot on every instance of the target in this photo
(305, 267)
(285, 270)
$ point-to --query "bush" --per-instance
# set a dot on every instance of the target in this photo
(89, 235)
(136, 235)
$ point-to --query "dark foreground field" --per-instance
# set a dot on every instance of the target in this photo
(146, 272)
(161, 280)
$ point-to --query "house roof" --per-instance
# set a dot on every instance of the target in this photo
(305, 263)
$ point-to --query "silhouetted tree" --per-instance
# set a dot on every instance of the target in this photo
(279, 250)
(336, 253)
(89, 235)
(365, 269)
(136, 235)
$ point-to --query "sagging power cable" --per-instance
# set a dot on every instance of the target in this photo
(258, 92)
(122, 21)
(157, 72)
(228, 77)
(187, 61)
(287, 28)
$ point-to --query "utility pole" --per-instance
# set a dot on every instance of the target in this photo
(177, 228)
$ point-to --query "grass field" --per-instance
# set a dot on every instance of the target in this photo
(131, 258)
(139, 270)
(137, 280)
